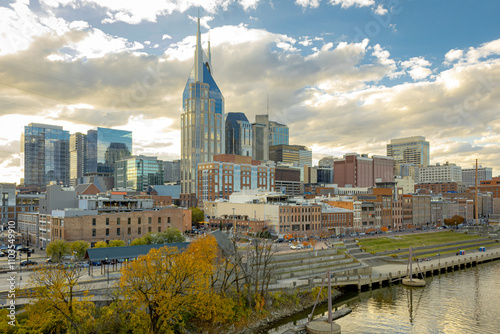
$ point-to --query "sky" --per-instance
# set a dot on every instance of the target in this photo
(344, 75)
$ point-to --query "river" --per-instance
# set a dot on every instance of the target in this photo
(465, 301)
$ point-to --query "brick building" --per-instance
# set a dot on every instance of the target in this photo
(77, 224)
(231, 173)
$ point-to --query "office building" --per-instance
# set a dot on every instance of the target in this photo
(232, 173)
(267, 133)
(409, 150)
(356, 170)
(105, 147)
(326, 162)
(202, 119)
(138, 173)
(45, 155)
(77, 152)
(172, 171)
(296, 155)
(469, 175)
(440, 173)
(238, 134)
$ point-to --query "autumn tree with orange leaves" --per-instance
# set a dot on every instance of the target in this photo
(171, 286)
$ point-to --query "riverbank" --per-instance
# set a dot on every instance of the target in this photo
(285, 306)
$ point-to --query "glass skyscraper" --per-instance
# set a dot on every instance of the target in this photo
(138, 173)
(45, 155)
(104, 148)
(202, 119)
(238, 134)
(267, 133)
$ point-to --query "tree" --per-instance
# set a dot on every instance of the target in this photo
(171, 235)
(116, 243)
(197, 215)
(57, 249)
(454, 221)
(170, 286)
(100, 244)
(55, 289)
(78, 249)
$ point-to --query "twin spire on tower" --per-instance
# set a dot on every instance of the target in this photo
(200, 59)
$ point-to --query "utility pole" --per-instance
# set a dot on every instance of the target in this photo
(477, 206)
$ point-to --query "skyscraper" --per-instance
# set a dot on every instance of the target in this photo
(45, 155)
(267, 133)
(294, 154)
(202, 119)
(104, 148)
(409, 150)
(138, 172)
(238, 134)
(172, 171)
(77, 151)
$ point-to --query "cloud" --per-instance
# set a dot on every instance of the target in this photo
(351, 3)
(334, 98)
(166, 36)
(308, 3)
(380, 10)
(417, 67)
(203, 20)
(135, 12)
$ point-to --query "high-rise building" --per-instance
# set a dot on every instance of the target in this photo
(202, 119)
(172, 171)
(138, 173)
(267, 133)
(104, 148)
(440, 173)
(409, 150)
(293, 154)
(45, 155)
(469, 175)
(238, 134)
(360, 171)
(77, 152)
(326, 162)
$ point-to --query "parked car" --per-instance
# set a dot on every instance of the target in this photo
(26, 250)
(26, 263)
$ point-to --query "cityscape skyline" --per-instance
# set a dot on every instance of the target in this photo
(353, 94)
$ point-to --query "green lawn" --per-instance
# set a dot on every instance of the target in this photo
(414, 240)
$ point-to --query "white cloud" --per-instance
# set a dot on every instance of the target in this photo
(380, 10)
(203, 20)
(308, 3)
(166, 36)
(249, 4)
(350, 3)
(453, 55)
(417, 67)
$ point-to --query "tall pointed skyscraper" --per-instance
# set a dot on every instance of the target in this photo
(202, 119)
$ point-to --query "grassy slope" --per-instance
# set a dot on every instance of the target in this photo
(414, 240)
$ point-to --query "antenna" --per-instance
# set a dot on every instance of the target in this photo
(268, 106)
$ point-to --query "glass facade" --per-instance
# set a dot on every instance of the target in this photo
(266, 134)
(105, 147)
(45, 155)
(238, 134)
(202, 119)
(138, 173)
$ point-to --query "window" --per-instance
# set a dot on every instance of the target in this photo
(149, 229)
(129, 231)
(149, 220)
(159, 220)
(129, 221)
(93, 232)
(107, 231)
(117, 221)
(139, 220)
(159, 228)
(93, 221)
(139, 230)
(168, 220)
(118, 231)
(107, 221)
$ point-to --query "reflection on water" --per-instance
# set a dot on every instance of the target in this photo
(463, 301)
